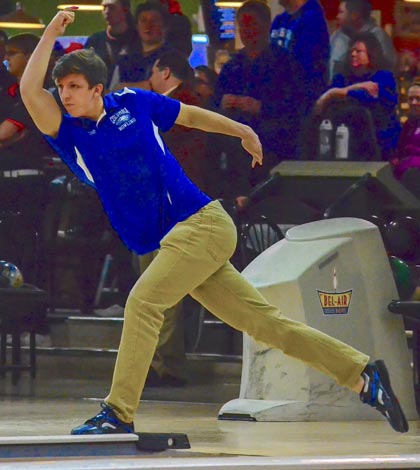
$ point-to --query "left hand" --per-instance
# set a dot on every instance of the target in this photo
(251, 143)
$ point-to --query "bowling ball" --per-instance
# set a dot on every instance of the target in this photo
(377, 220)
(405, 280)
(10, 275)
(402, 238)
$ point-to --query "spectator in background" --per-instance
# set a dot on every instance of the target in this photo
(134, 70)
(179, 34)
(354, 18)
(173, 76)
(221, 56)
(57, 52)
(119, 38)
(302, 30)
(407, 162)
(23, 186)
(21, 143)
(204, 83)
(260, 87)
(6, 78)
(367, 81)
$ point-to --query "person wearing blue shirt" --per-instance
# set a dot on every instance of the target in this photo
(354, 18)
(367, 82)
(113, 143)
(302, 30)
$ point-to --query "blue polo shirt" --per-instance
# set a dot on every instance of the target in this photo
(143, 189)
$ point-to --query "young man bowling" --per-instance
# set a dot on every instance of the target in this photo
(112, 143)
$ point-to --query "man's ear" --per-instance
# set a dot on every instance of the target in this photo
(98, 89)
(166, 73)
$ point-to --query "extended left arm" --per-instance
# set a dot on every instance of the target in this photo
(199, 118)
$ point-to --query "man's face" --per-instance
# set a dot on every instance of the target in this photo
(113, 12)
(344, 17)
(157, 79)
(16, 59)
(76, 95)
(150, 27)
(414, 101)
(252, 30)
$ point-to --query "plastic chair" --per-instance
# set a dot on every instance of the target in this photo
(363, 144)
(256, 236)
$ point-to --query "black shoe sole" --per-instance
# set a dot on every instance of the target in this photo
(397, 419)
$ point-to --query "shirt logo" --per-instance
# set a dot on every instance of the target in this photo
(122, 119)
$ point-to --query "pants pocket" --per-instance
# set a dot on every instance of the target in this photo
(222, 238)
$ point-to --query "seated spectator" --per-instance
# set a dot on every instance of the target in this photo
(134, 70)
(354, 18)
(260, 86)
(366, 81)
(407, 162)
(120, 36)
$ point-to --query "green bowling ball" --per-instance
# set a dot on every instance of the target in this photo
(404, 277)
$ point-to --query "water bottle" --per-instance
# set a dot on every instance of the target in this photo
(342, 142)
(325, 139)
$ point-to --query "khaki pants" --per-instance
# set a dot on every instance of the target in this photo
(194, 259)
(169, 357)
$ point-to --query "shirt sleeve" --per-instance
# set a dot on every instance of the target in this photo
(63, 144)
(387, 92)
(163, 110)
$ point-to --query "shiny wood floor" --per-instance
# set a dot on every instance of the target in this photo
(218, 444)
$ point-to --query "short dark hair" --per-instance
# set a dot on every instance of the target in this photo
(258, 7)
(83, 62)
(178, 63)
(25, 42)
(152, 5)
(362, 7)
(210, 74)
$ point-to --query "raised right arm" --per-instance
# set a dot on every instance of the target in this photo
(41, 105)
